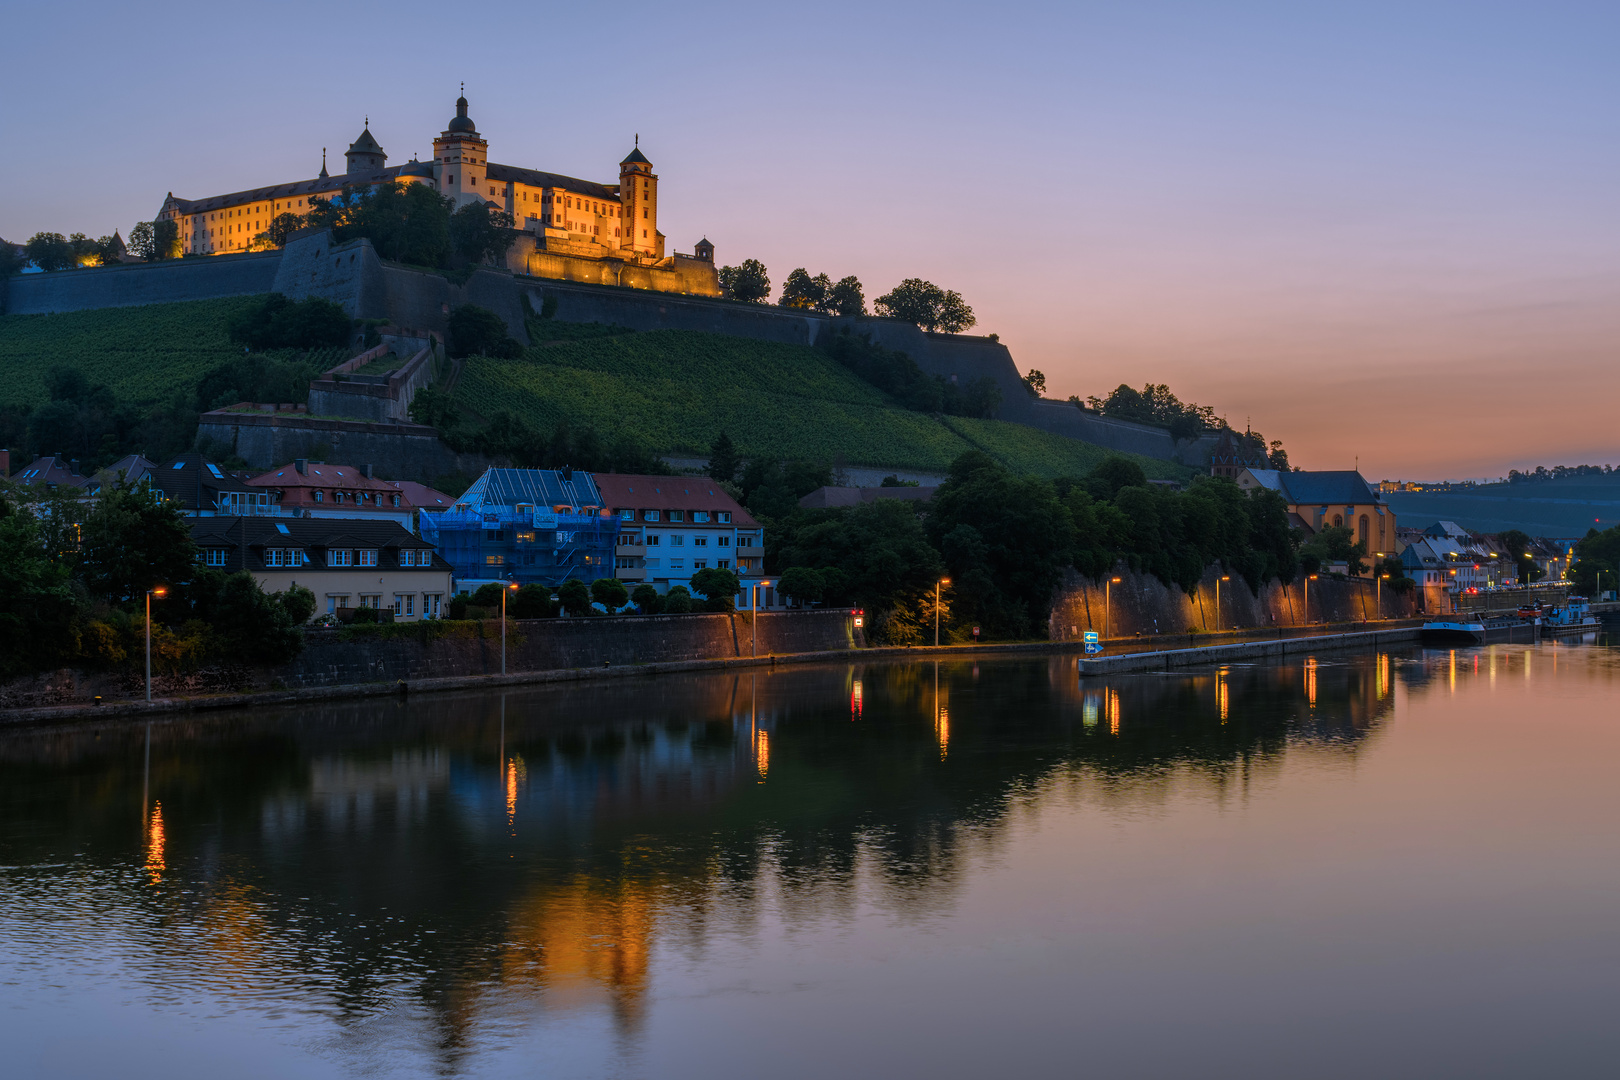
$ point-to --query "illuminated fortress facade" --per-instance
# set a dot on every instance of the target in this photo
(564, 223)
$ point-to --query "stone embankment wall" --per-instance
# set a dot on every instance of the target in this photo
(1142, 604)
(473, 649)
(402, 451)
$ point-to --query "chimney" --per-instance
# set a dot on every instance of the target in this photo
(302, 465)
(365, 470)
(74, 466)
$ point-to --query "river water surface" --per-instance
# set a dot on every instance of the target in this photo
(1392, 865)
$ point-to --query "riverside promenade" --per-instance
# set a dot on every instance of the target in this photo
(1125, 655)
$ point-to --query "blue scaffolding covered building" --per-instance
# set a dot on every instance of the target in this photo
(529, 526)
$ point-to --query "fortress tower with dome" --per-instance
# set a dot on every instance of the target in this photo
(567, 228)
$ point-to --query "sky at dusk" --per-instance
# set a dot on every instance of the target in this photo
(1386, 232)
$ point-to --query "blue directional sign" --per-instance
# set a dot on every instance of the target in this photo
(1093, 643)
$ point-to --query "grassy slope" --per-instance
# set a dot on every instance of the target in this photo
(144, 354)
(678, 389)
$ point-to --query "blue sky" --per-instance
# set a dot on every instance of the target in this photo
(1387, 232)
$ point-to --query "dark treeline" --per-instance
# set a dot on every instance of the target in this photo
(898, 375)
(1541, 474)
(411, 223)
(1005, 541)
(75, 575)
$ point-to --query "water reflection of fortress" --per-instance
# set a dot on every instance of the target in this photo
(547, 843)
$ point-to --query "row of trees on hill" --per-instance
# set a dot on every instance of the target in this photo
(52, 252)
(914, 300)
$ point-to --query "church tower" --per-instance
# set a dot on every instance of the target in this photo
(638, 194)
(461, 157)
(364, 155)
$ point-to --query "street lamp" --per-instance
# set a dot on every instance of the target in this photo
(753, 618)
(1380, 587)
(159, 591)
(1223, 577)
(510, 586)
(1108, 607)
(1308, 579)
(937, 584)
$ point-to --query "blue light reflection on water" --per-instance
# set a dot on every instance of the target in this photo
(1399, 864)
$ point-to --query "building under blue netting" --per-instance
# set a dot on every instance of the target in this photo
(540, 526)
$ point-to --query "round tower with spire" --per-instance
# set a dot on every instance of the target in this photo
(638, 194)
(461, 157)
(364, 154)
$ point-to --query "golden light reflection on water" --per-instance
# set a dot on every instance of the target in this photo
(762, 753)
(1310, 682)
(516, 773)
(155, 843)
(1223, 695)
(942, 730)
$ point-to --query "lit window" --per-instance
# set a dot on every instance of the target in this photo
(368, 557)
(339, 557)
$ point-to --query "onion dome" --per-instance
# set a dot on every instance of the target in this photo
(462, 122)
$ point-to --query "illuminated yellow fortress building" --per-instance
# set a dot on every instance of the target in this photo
(568, 228)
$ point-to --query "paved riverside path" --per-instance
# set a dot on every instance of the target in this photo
(1170, 659)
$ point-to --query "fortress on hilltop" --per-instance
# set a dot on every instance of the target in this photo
(570, 229)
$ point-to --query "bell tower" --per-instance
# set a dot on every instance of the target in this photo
(364, 154)
(461, 157)
(638, 194)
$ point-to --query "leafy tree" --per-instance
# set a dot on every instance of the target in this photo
(280, 228)
(750, 281)
(803, 584)
(717, 587)
(143, 242)
(575, 597)
(800, 290)
(433, 407)
(407, 223)
(165, 240)
(51, 252)
(132, 541)
(531, 601)
(1112, 474)
(38, 608)
(481, 233)
(875, 555)
(1516, 546)
(298, 602)
(251, 627)
(1392, 568)
(979, 398)
(926, 305)
(610, 593)
(1155, 404)
(478, 331)
(1335, 543)
(1036, 381)
(772, 489)
(678, 601)
(12, 259)
(723, 459)
(846, 298)
(647, 600)
(276, 322)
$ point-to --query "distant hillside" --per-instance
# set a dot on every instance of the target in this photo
(143, 354)
(678, 389)
(1551, 508)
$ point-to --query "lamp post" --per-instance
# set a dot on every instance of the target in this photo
(937, 584)
(753, 618)
(1108, 607)
(510, 586)
(1223, 577)
(160, 592)
(1308, 579)
(1380, 588)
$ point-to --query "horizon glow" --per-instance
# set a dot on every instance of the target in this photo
(1386, 234)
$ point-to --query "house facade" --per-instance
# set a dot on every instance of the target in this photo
(670, 527)
(1322, 499)
(346, 563)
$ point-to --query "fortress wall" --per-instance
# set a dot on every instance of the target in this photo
(640, 310)
(401, 451)
(349, 274)
(133, 284)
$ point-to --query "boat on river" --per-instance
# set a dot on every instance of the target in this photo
(1573, 616)
(1479, 631)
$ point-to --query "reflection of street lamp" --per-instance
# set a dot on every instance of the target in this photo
(160, 592)
(511, 587)
(1223, 577)
(937, 584)
(1308, 579)
(1108, 609)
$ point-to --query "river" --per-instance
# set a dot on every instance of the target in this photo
(1393, 865)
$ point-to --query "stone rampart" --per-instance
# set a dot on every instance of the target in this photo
(134, 284)
(1142, 604)
(640, 310)
(265, 439)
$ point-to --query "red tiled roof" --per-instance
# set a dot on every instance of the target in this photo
(422, 496)
(622, 491)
